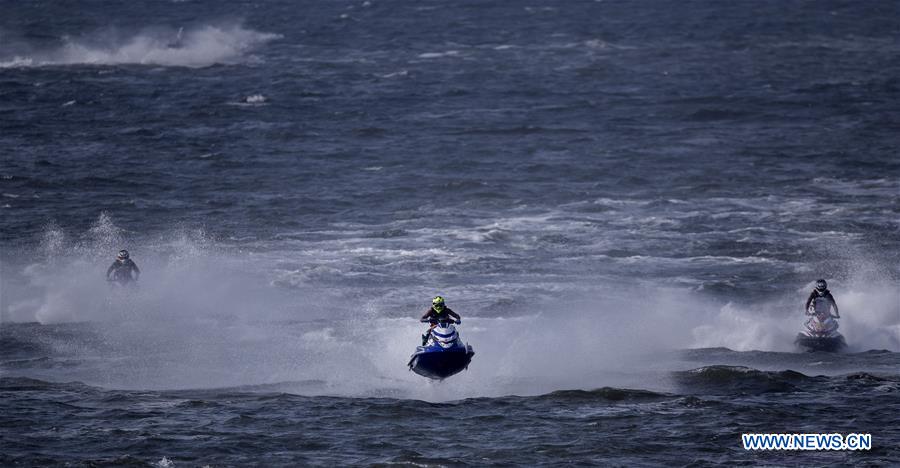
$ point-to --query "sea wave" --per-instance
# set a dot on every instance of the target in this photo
(13, 384)
(739, 379)
(611, 394)
(195, 47)
(742, 380)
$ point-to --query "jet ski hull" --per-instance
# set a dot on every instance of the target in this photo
(439, 363)
(830, 343)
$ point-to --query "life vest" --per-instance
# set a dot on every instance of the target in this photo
(822, 304)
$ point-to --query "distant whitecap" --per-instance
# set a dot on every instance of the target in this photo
(196, 47)
(397, 73)
(449, 53)
(18, 62)
(255, 99)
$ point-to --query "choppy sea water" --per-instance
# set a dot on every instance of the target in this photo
(626, 202)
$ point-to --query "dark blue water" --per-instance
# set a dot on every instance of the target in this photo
(626, 202)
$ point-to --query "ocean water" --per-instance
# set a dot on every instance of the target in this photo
(627, 202)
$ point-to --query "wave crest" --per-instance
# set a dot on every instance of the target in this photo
(196, 47)
(739, 379)
(611, 394)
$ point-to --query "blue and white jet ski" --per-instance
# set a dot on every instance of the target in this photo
(821, 332)
(444, 354)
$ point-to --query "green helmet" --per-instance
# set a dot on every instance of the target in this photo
(437, 304)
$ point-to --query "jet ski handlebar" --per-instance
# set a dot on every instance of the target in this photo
(440, 321)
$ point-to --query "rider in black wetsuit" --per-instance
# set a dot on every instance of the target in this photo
(438, 312)
(123, 270)
(822, 291)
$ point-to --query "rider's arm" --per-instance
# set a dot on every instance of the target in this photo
(834, 304)
(110, 269)
(427, 316)
(453, 314)
(137, 271)
(809, 300)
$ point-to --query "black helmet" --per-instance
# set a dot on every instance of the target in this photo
(821, 285)
(123, 255)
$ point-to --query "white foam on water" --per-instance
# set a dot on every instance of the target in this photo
(870, 319)
(206, 315)
(431, 55)
(745, 329)
(255, 99)
(17, 62)
(199, 46)
(197, 322)
(395, 74)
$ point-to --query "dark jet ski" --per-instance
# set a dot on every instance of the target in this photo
(443, 355)
(821, 333)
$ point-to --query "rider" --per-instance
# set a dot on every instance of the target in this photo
(822, 299)
(438, 312)
(123, 270)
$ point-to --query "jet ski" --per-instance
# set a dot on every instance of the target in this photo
(444, 354)
(821, 332)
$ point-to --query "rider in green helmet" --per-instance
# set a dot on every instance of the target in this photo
(438, 312)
